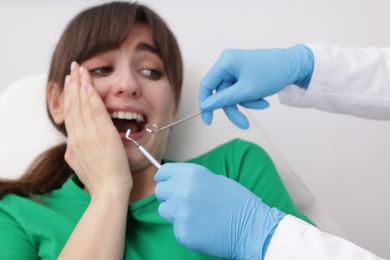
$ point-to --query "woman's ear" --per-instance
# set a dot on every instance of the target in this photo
(55, 101)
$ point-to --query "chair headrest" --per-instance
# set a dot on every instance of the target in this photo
(26, 129)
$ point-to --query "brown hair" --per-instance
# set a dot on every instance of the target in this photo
(93, 31)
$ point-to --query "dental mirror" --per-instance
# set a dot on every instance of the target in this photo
(148, 156)
(154, 128)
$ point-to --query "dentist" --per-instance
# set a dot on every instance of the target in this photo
(218, 216)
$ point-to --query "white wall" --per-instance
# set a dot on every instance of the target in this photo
(343, 160)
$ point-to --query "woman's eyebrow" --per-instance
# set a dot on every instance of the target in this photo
(143, 46)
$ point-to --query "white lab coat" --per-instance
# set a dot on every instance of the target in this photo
(350, 81)
(346, 80)
(295, 239)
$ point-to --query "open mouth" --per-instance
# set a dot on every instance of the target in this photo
(128, 120)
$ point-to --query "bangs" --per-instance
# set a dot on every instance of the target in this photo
(103, 29)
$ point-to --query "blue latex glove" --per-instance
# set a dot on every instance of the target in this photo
(246, 77)
(213, 214)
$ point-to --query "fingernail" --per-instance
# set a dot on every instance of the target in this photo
(207, 117)
(73, 66)
(67, 79)
(81, 71)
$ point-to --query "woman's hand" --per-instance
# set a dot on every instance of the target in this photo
(97, 155)
(94, 147)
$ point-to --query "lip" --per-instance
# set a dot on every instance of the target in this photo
(130, 108)
(135, 136)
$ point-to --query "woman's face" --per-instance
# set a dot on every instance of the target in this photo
(135, 90)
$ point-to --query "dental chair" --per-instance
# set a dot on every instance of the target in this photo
(26, 131)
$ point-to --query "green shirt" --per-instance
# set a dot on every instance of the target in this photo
(39, 228)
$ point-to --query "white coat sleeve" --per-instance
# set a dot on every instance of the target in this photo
(353, 81)
(295, 239)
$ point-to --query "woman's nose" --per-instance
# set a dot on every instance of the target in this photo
(127, 85)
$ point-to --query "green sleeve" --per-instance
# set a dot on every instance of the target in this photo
(14, 243)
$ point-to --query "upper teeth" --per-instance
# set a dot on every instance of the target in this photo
(127, 115)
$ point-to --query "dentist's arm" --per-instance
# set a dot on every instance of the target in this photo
(246, 77)
(213, 214)
(351, 81)
(217, 216)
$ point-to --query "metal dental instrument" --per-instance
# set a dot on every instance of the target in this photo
(155, 129)
(148, 156)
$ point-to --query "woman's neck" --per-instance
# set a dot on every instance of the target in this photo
(143, 184)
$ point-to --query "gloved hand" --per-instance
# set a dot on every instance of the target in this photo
(213, 214)
(246, 77)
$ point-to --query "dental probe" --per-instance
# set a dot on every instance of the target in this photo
(155, 129)
(148, 156)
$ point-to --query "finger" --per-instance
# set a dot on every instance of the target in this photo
(167, 171)
(238, 118)
(256, 104)
(94, 110)
(168, 209)
(66, 95)
(72, 108)
(232, 111)
(86, 110)
(229, 95)
(207, 117)
(164, 190)
(215, 77)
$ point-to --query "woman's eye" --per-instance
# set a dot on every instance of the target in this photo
(101, 71)
(152, 73)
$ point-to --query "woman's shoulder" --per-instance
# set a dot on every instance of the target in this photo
(10, 204)
(69, 192)
(237, 146)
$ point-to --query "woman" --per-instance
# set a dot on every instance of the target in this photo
(99, 203)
